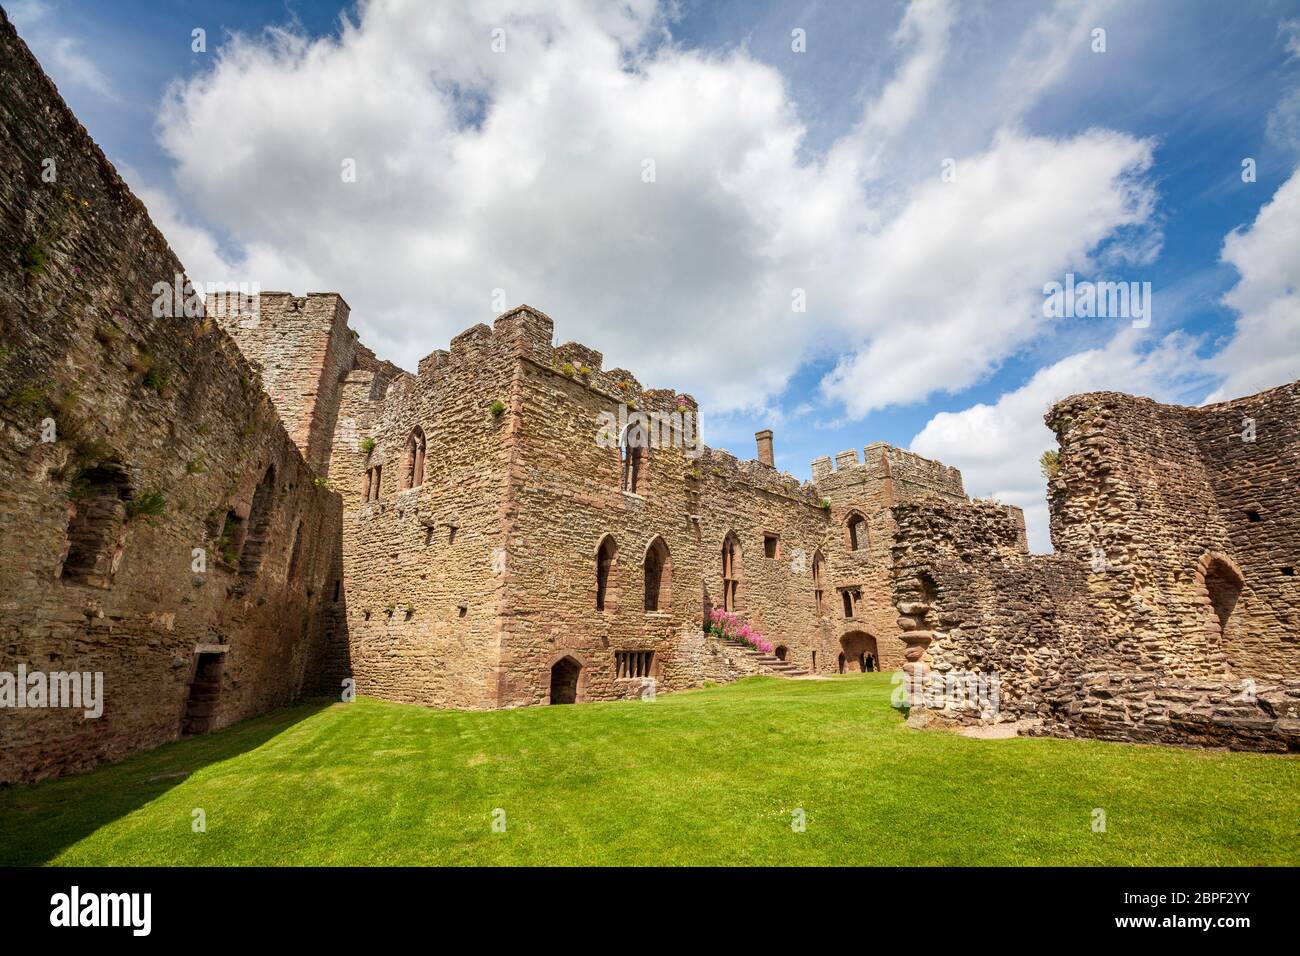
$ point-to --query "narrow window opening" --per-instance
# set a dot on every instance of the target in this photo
(634, 455)
(731, 572)
(604, 562)
(770, 545)
(819, 583)
(658, 576)
(857, 526)
(413, 475)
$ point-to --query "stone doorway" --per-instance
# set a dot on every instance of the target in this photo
(564, 681)
(860, 653)
(781, 652)
(205, 692)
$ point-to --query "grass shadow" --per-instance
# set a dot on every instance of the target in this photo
(38, 821)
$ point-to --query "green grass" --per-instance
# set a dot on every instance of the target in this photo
(704, 777)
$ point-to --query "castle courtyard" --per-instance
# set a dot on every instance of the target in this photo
(764, 771)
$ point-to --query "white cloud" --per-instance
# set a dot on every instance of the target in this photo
(955, 282)
(1264, 350)
(522, 171)
(998, 445)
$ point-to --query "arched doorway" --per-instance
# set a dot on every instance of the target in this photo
(860, 653)
(564, 681)
(781, 652)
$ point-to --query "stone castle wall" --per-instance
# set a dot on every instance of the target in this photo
(160, 436)
(1167, 613)
(422, 580)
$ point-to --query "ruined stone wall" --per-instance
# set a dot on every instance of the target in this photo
(1165, 616)
(1256, 486)
(420, 593)
(1155, 499)
(971, 600)
(159, 439)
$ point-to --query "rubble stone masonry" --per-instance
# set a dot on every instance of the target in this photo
(223, 514)
(157, 524)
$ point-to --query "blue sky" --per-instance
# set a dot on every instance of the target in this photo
(776, 170)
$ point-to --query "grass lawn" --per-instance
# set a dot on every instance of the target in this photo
(703, 777)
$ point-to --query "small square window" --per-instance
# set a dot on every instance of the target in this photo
(1253, 516)
(1288, 572)
(771, 543)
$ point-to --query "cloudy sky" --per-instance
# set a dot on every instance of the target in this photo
(671, 182)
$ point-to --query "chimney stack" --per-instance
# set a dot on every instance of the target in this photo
(764, 439)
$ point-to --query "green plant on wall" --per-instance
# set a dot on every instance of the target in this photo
(497, 408)
(147, 505)
(1049, 463)
(367, 445)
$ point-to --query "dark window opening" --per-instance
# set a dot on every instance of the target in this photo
(96, 534)
(1253, 516)
(633, 663)
(848, 603)
(1289, 572)
(604, 561)
(770, 542)
(658, 576)
(857, 526)
(338, 589)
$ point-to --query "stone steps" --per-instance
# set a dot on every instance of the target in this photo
(769, 662)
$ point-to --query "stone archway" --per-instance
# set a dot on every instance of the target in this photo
(860, 652)
(564, 681)
(1222, 583)
(781, 652)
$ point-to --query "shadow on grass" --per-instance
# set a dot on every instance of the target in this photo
(38, 821)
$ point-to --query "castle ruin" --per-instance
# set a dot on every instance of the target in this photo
(227, 512)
